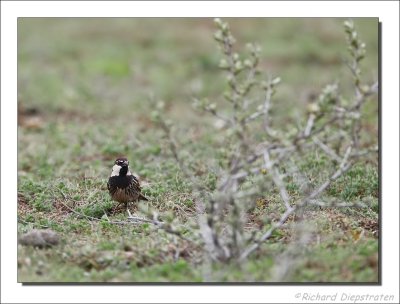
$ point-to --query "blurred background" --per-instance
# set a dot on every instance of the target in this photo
(99, 74)
(98, 65)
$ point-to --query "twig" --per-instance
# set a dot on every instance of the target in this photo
(365, 152)
(267, 106)
(78, 213)
(326, 149)
(336, 204)
(166, 227)
(266, 235)
(277, 179)
(310, 124)
(343, 167)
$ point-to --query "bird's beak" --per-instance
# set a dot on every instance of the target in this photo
(125, 163)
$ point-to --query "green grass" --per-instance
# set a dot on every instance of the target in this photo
(86, 88)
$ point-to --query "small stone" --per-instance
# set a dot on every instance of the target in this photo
(39, 238)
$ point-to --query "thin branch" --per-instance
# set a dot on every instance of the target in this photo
(358, 154)
(336, 204)
(343, 168)
(310, 124)
(266, 235)
(326, 149)
(78, 213)
(267, 106)
(277, 179)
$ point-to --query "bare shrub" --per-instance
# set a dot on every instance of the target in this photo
(259, 155)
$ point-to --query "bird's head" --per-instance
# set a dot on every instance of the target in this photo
(120, 167)
(122, 162)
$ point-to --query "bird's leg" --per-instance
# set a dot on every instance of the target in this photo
(127, 209)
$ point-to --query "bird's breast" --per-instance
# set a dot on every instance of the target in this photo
(120, 181)
(122, 189)
(123, 196)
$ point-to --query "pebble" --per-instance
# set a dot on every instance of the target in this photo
(39, 238)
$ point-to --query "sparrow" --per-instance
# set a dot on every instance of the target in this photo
(123, 186)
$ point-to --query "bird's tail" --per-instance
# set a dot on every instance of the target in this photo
(142, 197)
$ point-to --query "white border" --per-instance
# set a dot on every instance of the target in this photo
(11, 292)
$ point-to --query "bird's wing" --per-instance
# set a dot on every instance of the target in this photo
(135, 183)
(136, 186)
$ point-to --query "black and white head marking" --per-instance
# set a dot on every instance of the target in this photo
(121, 167)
